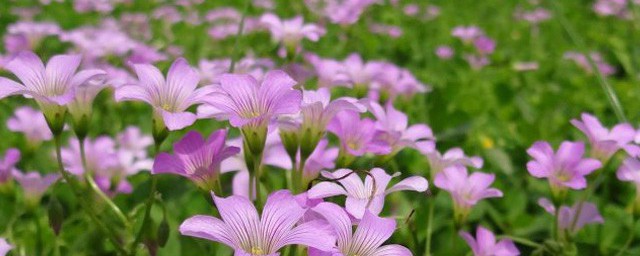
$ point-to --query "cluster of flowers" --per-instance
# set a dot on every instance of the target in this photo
(482, 46)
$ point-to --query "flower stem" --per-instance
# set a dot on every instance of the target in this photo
(111, 235)
(234, 53)
(629, 239)
(430, 227)
(96, 189)
(520, 240)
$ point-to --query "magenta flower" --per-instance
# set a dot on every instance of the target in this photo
(248, 233)
(583, 62)
(466, 190)
(53, 86)
(100, 155)
(169, 98)
(210, 70)
(5, 247)
(31, 123)
(393, 81)
(291, 32)
(359, 73)
(33, 32)
(567, 215)
(484, 45)
(357, 136)
(565, 168)
(133, 142)
(363, 196)
(371, 233)
(604, 142)
(322, 158)
(444, 52)
(8, 165)
(455, 156)
(485, 244)
(630, 171)
(196, 159)
(34, 184)
(397, 132)
(328, 71)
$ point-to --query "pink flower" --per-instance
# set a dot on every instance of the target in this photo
(343, 12)
(484, 45)
(248, 233)
(485, 244)
(604, 142)
(455, 156)
(31, 123)
(467, 34)
(371, 233)
(196, 159)
(364, 196)
(34, 184)
(565, 168)
(567, 219)
(291, 32)
(444, 52)
(5, 247)
(169, 98)
(396, 131)
(329, 71)
(582, 61)
(357, 136)
(466, 190)
(8, 165)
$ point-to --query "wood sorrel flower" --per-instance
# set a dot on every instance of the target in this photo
(396, 131)
(53, 86)
(8, 165)
(169, 98)
(196, 159)
(357, 136)
(466, 190)
(5, 247)
(484, 244)
(291, 32)
(248, 233)
(368, 195)
(34, 184)
(564, 169)
(251, 106)
(567, 218)
(604, 142)
(31, 123)
(455, 156)
(371, 233)
(81, 107)
(630, 171)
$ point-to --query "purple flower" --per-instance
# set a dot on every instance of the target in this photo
(104, 40)
(34, 32)
(328, 71)
(535, 16)
(8, 164)
(343, 12)
(476, 62)
(567, 219)
(242, 229)
(484, 45)
(291, 32)
(612, 8)
(467, 34)
(248, 104)
(565, 168)
(371, 233)
(5, 247)
(210, 70)
(411, 9)
(99, 154)
(31, 123)
(322, 158)
(396, 131)
(604, 142)
(583, 62)
(368, 195)
(393, 81)
(466, 190)
(444, 52)
(53, 86)
(34, 185)
(357, 136)
(196, 159)
(133, 142)
(455, 156)
(630, 171)
(82, 105)
(485, 244)
(169, 98)
(388, 30)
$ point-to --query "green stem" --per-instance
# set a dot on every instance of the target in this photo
(520, 240)
(38, 234)
(257, 161)
(430, 227)
(234, 54)
(97, 190)
(629, 239)
(111, 235)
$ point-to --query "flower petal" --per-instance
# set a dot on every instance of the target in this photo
(207, 227)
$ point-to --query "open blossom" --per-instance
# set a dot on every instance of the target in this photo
(343, 12)
(484, 45)
(5, 247)
(328, 71)
(397, 132)
(368, 195)
(34, 184)
(133, 142)
(466, 190)
(291, 32)
(455, 156)
(467, 34)
(565, 168)
(630, 171)
(100, 41)
(34, 32)
(612, 8)
(53, 86)
(81, 107)
(245, 102)
(484, 244)
(567, 219)
(169, 98)
(357, 136)
(604, 142)
(393, 81)
(196, 159)
(210, 70)
(248, 233)
(371, 233)
(444, 52)
(31, 123)
(8, 164)
(535, 16)
(583, 62)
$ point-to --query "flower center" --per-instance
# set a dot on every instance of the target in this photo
(256, 251)
(166, 107)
